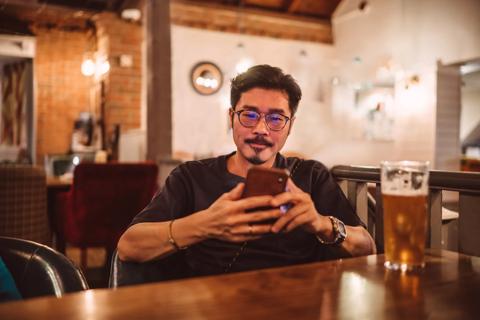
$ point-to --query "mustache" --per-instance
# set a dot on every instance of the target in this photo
(259, 140)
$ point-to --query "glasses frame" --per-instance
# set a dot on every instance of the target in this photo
(262, 115)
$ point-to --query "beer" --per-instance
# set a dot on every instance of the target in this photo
(404, 194)
(405, 225)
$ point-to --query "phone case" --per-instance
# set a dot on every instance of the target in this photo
(263, 181)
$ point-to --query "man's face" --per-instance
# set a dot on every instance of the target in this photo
(259, 143)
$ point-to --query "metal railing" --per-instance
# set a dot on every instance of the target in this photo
(355, 181)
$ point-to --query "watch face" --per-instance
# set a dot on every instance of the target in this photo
(341, 231)
(341, 228)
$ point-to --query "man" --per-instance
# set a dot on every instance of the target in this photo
(200, 210)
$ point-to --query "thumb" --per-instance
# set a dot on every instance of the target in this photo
(235, 193)
(292, 187)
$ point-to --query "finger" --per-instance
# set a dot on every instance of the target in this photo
(235, 193)
(289, 197)
(257, 216)
(251, 230)
(291, 186)
(289, 216)
(253, 202)
(242, 238)
(296, 222)
(259, 229)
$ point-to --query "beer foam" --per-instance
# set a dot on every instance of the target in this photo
(405, 192)
(404, 182)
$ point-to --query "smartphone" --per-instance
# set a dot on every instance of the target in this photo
(265, 181)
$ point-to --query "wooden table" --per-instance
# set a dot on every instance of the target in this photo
(55, 182)
(358, 288)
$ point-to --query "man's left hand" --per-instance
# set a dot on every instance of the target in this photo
(302, 212)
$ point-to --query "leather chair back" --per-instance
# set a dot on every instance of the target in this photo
(39, 270)
(123, 273)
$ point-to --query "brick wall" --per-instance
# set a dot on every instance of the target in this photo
(117, 37)
(62, 92)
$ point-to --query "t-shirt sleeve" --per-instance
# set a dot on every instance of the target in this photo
(170, 203)
(329, 199)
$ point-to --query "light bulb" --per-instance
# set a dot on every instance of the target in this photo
(104, 67)
(88, 68)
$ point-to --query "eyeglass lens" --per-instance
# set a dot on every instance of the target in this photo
(274, 121)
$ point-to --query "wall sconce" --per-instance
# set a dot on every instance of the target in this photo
(206, 78)
(131, 14)
(97, 67)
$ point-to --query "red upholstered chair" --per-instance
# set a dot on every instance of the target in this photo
(101, 203)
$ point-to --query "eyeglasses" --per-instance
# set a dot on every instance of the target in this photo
(250, 118)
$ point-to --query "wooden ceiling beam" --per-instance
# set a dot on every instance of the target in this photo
(250, 21)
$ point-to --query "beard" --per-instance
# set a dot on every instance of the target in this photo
(255, 160)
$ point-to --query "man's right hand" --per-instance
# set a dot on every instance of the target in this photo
(227, 220)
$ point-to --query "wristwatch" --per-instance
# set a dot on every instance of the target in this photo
(339, 232)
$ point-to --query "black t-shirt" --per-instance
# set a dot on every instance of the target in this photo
(195, 185)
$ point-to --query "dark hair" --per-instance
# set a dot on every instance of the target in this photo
(266, 77)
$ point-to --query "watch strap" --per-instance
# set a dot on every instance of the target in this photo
(338, 236)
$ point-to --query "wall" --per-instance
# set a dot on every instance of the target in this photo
(406, 36)
(470, 115)
(200, 123)
(447, 118)
(62, 92)
(116, 38)
(390, 42)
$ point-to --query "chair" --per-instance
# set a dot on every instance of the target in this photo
(123, 273)
(39, 270)
(101, 203)
(23, 203)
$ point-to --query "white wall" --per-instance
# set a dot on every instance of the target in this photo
(407, 35)
(200, 123)
(470, 115)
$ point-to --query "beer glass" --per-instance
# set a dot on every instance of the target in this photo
(404, 193)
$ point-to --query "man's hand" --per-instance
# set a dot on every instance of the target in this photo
(227, 220)
(302, 213)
